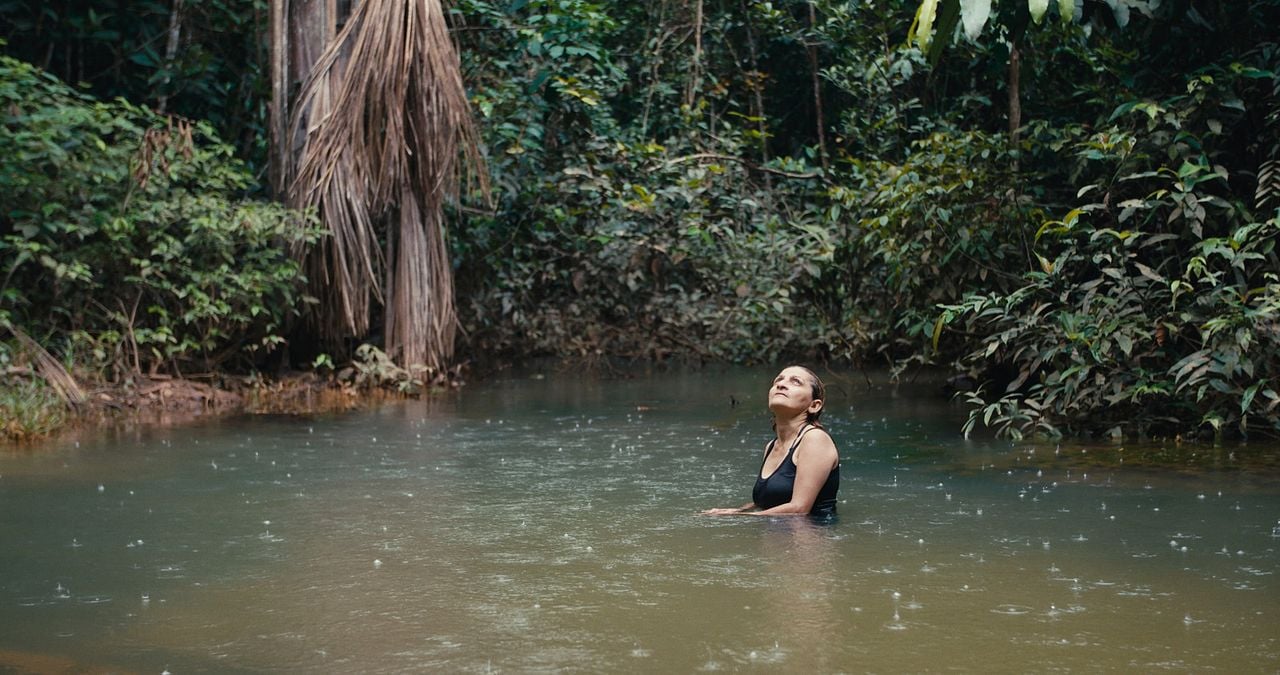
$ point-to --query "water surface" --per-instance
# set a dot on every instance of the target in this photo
(537, 524)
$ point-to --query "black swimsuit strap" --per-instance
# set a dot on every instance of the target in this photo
(794, 444)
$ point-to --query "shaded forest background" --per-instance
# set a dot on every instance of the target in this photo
(1075, 207)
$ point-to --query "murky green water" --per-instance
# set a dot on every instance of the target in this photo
(532, 525)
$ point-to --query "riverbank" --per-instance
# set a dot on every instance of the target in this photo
(31, 412)
(34, 410)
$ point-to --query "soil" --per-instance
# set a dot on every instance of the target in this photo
(165, 401)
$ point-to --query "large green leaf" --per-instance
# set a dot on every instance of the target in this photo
(1120, 8)
(922, 27)
(974, 14)
(1067, 10)
(1037, 9)
(944, 25)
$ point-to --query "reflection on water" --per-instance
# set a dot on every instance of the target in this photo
(535, 525)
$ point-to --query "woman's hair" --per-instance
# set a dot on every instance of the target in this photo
(819, 394)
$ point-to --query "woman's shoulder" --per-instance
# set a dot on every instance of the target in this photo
(816, 440)
(817, 433)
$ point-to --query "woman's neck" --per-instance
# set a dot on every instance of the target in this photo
(788, 428)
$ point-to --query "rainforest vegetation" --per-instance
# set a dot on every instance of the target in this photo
(1073, 205)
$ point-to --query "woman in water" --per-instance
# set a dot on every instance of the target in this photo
(800, 474)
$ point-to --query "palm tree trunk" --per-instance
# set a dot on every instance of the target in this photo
(417, 302)
(373, 144)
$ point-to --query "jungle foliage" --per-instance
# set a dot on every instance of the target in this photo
(637, 218)
(127, 244)
(213, 68)
(1077, 212)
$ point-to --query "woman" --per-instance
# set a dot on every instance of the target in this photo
(800, 474)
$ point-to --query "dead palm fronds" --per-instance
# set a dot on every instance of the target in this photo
(383, 119)
(52, 372)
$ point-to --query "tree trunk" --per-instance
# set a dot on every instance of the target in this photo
(372, 143)
(279, 106)
(755, 80)
(419, 290)
(1015, 100)
(812, 49)
(694, 84)
(170, 52)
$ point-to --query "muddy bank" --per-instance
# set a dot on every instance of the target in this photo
(163, 400)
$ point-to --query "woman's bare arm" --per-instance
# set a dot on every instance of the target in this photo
(745, 508)
(815, 458)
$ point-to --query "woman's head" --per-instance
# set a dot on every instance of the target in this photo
(798, 390)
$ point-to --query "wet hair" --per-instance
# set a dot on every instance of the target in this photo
(819, 394)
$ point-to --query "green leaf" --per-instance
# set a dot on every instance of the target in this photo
(921, 31)
(1120, 10)
(1222, 386)
(1067, 10)
(1247, 399)
(143, 59)
(1037, 9)
(974, 15)
(1149, 273)
(1125, 343)
(1189, 362)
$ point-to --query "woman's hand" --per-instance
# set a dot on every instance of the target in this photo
(724, 512)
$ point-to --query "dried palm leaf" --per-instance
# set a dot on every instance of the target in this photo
(383, 119)
(57, 377)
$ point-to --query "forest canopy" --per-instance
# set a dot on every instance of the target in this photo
(1074, 205)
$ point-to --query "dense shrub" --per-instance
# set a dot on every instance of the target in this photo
(1157, 306)
(921, 231)
(1080, 214)
(125, 241)
(621, 227)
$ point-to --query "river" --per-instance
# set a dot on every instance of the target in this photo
(549, 523)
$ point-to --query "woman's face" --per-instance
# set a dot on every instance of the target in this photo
(792, 390)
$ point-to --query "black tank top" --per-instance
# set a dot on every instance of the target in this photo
(777, 487)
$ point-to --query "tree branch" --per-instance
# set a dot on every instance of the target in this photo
(729, 158)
